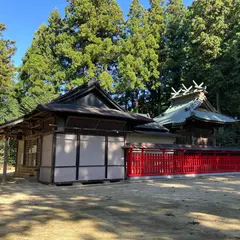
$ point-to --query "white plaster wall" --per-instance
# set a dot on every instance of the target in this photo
(115, 139)
(116, 172)
(92, 150)
(115, 151)
(47, 150)
(66, 150)
(138, 138)
(65, 174)
(91, 173)
(115, 157)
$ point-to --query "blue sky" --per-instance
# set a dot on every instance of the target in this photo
(23, 18)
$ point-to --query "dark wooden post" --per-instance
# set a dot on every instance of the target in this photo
(4, 176)
(214, 133)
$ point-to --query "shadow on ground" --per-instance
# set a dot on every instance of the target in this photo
(168, 209)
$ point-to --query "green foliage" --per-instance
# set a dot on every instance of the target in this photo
(9, 107)
(41, 75)
(228, 136)
(208, 27)
(89, 41)
(171, 54)
(138, 59)
(7, 50)
(175, 42)
(230, 64)
(138, 62)
(11, 154)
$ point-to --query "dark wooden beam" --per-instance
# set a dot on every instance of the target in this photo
(38, 118)
(4, 176)
(78, 156)
(106, 157)
(91, 129)
(53, 157)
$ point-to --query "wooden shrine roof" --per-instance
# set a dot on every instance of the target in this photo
(192, 103)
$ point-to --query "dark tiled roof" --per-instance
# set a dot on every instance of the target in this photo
(91, 85)
(94, 111)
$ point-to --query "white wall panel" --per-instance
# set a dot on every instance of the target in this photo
(115, 172)
(115, 153)
(66, 149)
(91, 173)
(115, 139)
(92, 150)
(65, 174)
(91, 137)
(115, 157)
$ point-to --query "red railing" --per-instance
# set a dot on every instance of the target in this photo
(164, 162)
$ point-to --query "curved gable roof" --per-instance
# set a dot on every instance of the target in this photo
(199, 108)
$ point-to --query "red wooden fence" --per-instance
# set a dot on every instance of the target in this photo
(164, 162)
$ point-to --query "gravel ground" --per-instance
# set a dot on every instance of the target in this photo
(200, 208)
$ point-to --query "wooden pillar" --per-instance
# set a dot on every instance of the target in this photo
(214, 137)
(4, 176)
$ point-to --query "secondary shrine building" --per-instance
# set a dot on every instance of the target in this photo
(192, 116)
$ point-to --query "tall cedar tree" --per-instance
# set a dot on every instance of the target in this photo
(175, 17)
(89, 42)
(138, 61)
(9, 107)
(155, 87)
(230, 64)
(207, 30)
(168, 23)
(41, 75)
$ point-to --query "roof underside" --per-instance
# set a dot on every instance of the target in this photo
(152, 146)
(157, 133)
(154, 126)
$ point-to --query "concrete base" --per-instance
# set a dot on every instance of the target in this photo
(182, 176)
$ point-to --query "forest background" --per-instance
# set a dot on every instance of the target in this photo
(137, 59)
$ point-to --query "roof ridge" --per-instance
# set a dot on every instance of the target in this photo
(85, 88)
(197, 102)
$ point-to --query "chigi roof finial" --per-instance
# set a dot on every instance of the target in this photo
(183, 91)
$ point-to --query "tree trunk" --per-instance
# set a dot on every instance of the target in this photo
(136, 102)
(218, 102)
(4, 176)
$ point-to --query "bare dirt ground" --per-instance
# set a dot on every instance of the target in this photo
(200, 208)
